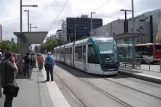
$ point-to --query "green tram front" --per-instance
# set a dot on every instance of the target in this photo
(107, 54)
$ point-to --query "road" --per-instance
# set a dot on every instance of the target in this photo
(118, 91)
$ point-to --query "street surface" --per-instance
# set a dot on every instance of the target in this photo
(95, 91)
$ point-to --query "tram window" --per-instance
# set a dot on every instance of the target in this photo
(84, 53)
(92, 56)
(66, 51)
(158, 47)
(70, 50)
(62, 52)
(78, 53)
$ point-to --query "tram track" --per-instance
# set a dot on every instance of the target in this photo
(133, 89)
(108, 94)
(70, 91)
(90, 80)
(96, 88)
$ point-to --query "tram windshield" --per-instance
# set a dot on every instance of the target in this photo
(108, 50)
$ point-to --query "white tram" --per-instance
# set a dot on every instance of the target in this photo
(92, 55)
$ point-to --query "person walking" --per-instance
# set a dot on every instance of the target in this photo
(9, 69)
(49, 65)
(33, 57)
(40, 61)
(27, 63)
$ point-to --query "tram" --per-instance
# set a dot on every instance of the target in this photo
(92, 55)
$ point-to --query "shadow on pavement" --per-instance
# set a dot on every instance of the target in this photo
(41, 82)
(82, 74)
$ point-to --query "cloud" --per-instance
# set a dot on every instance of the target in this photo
(44, 16)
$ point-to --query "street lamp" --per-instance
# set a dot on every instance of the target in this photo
(29, 5)
(28, 18)
(133, 38)
(19, 40)
(63, 30)
(21, 13)
(31, 26)
(92, 22)
(126, 22)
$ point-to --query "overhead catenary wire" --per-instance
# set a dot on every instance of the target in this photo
(101, 6)
(66, 4)
(59, 14)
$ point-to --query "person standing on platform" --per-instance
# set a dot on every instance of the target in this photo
(9, 68)
(40, 61)
(49, 65)
(33, 57)
(27, 63)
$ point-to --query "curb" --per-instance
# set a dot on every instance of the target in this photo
(140, 76)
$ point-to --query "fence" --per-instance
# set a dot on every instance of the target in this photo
(141, 63)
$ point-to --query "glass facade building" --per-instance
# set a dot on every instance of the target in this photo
(79, 27)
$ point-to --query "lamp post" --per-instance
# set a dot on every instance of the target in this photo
(133, 38)
(27, 18)
(63, 30)
(21, 13)
(126, 22)
(30, 26)
(20, 42)
(92, 22)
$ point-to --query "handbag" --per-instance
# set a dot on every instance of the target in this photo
(10, 89)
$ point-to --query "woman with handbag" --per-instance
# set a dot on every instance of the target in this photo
(9, 68)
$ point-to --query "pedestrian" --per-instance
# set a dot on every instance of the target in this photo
(49, 65)
(40, 61)
(9, 69)
(33, 57)
(27, 63)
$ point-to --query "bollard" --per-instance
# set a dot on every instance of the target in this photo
(160, 65)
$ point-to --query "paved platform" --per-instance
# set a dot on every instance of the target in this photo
(142, 74)
(35, 92)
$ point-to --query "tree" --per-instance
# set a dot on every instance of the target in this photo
(49, 45)
(7, 45)
(84, 37)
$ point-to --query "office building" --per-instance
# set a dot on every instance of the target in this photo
(59, 35)
(116, 29)
(153, 17)
(76, 28)
(145, 28)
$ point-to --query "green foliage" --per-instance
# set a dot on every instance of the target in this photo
(51, 44)
(7, 45)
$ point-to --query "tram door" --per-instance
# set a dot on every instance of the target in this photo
(84, 58)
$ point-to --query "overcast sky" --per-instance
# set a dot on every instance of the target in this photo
(44, 15)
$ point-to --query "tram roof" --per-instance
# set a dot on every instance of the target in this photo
(95, 38)
(69, 44)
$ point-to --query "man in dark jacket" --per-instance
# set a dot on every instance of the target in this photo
(27, 63)
(9, 69)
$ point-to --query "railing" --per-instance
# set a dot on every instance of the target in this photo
(141, 63)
